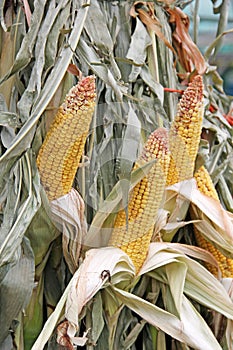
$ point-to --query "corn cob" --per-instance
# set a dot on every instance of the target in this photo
(206, 186)
(134, 236)
(185, 132)
(61, 151)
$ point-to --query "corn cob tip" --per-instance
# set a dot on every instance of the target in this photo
(80, 94)
(192, 95)
(159, 138)
(185, 133)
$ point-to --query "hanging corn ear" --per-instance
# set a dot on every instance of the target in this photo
(206, 186)
(60, 153)
(185, 132)
(134, 236)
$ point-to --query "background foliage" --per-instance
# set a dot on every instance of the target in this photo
(135, 50)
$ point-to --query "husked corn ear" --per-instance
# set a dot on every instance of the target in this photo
(204, 183)
(60, 153)
(185, 132)
(134, 237)
(206, 186)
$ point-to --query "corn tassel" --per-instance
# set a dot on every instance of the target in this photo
(185, 132)
(134, 237)
(206, 186)
(61, 151)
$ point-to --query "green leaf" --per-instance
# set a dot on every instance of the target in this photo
(33, 319)
(16, 287)
(42, 231)
(22, 203)
(97, 318)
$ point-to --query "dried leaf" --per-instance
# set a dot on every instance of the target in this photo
(24, 137)
(215, 43)
(68, 214)
(154, 25)
(27, 11)
(96, 27)
(62, 337)
(51, 322)
(167, 2)
(199, 283)
(213, 221)
(140, 40)
(181, 329)
(99, 266)
(73, 69)
(80, 341)
(189, 55)
(147, 16)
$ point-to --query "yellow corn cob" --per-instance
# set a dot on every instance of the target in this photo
(206, 186)
(60, 153)
(185, 132)
(144, 202)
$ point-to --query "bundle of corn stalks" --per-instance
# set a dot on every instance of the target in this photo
(115, 206)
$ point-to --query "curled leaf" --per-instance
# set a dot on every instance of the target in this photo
(66, 341)
(100, 266)
(73, 69)
(62, 337)
(68, 214)
(189, 55)
(211, 219)
(145, 11)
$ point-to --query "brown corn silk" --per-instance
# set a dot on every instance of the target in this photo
(134, 236)
(185, 132)
(61, 151)
(206, 186)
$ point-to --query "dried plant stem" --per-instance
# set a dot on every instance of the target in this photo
(195, 21)
(153, 64)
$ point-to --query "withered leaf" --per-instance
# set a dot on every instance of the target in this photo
(189, 55)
